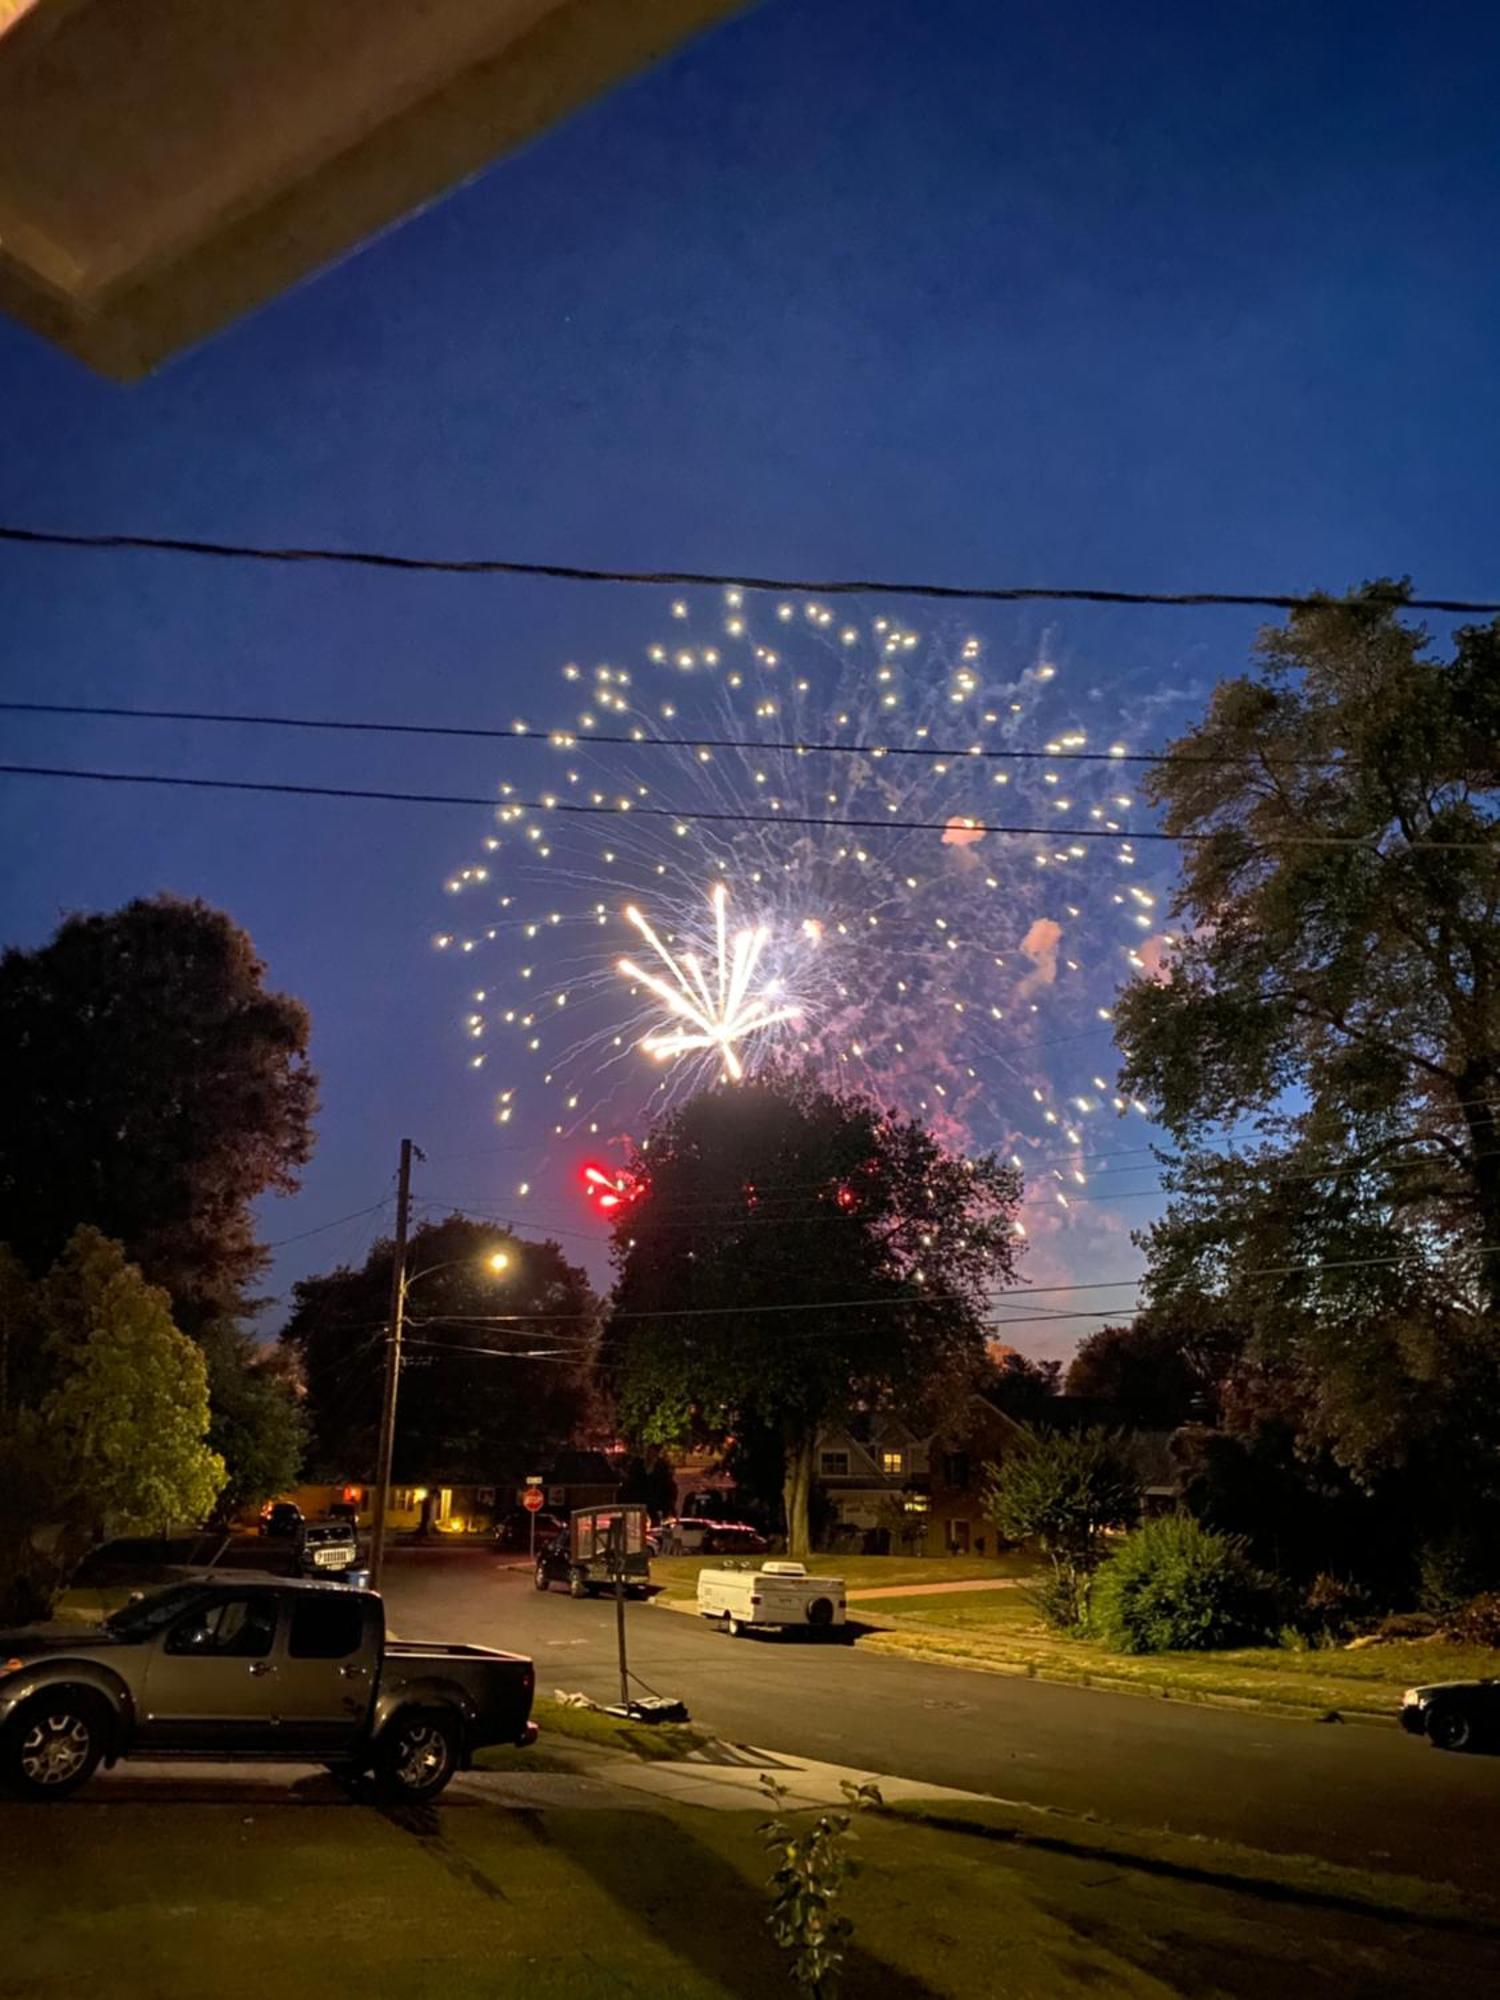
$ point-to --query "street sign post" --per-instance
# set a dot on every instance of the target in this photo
(531, 1500)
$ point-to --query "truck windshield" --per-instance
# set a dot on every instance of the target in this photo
(139, 1620)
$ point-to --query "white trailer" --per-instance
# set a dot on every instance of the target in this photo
(778, 1595)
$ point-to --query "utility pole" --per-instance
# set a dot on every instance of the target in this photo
(387, 1446)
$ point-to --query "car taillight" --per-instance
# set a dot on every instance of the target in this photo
(755, 1600)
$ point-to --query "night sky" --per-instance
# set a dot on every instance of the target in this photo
(1171, 298)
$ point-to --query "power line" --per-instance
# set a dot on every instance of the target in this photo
(582, 573)
(690, 815)
(279, 1242)
(528, 734)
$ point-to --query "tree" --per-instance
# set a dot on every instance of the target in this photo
(153, 1088)
(1338, 980)
(1167, 1367)
(496, 1369)
(127, 1416)
(110, 1431)
(1063, 1492)
(794, 1256)
(1023, 1389)
(257, 1424)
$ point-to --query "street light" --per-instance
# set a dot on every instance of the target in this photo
(497, 1263)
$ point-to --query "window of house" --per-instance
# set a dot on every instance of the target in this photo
(893, 1463)
(835, 1464)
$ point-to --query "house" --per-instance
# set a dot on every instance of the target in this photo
(449, 1510)
(872, 1471)
(956, 1523)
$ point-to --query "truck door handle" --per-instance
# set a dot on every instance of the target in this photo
(259, 1667)
(354, 1673)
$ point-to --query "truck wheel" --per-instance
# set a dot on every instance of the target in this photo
(542, 1579)
(416, 1756)
(54, 1745)
(1449, 1729)
(577, 1583)
(820, 1613)
(733, 1626)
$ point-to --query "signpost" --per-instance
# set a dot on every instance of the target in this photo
(531, 1500)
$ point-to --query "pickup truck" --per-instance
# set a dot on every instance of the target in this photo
(240, 1666)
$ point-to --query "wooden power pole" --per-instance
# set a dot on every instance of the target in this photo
(387, 1447)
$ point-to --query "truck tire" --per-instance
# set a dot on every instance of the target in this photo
(733, 1626)
(541, 1579)
(416, 1756)
(578, 1584)
(54, 1744)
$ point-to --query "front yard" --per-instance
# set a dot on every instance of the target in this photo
(1002, 1631)
(678, 1575)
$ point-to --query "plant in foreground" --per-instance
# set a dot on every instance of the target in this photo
(808, 1879)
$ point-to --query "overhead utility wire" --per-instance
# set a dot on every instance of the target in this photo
(575, 739)
(181, 545)
(692, 814)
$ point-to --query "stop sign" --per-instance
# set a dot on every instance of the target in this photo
(531, 1499)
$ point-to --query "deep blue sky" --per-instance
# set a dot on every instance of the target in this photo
(1143, 296)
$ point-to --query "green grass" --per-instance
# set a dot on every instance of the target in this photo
(678, 1575)
(88, 1604)
(138, 1900)
(659, 1741)
(1003, 1631)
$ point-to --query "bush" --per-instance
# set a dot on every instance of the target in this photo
(1061, 1492)
(1176, 1586)
(1476, 1623)
(1453, 1570)
(1333, 1608)
(1407, 1625)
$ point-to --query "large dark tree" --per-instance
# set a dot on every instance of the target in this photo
(1337, 982)
(1166, 1367)
(795, 1256)
(496, 1372)
(153, 1087)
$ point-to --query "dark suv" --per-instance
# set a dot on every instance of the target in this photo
(281, 1520)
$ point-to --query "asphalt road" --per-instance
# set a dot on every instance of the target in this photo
(1354, 1794)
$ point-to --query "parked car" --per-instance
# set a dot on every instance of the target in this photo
(695, 1535)
(778, 1596)
(281, 1518)
(327, 1548)
(343, 1510)
(515, 1530)
(1454, 1715)
(735, 1538)
(248, 1666)
(584, 1557)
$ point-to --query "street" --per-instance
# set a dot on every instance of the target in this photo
(1355, 1794)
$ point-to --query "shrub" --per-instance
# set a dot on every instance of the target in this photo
(1408, 1625)
(1453, 1570)
(1333, 1608)
(1176, 1586)
(1476, 1623)
(1060, 1492)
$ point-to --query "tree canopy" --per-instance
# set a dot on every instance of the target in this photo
(153, 1087)
(1167, 1366)
(773, 1194)
(495, 1371)
(257, 1425)
(1337, 982)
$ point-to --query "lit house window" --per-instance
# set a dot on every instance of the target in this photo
(835, 1464)
(893, 1463)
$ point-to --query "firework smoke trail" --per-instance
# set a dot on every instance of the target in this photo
(939, 970)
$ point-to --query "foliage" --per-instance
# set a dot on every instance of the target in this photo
(1363, 973)
(1476, 1623)
(1022, 1388)
(1062, 1493)
(774, 1192)
(153, 1087)
(1456, 1567)
(473, 1405)
(1333, 1608)
(1174, 1586)
(257, 1425)
(1167, 1367)
(811, 1872)
(128, 1413)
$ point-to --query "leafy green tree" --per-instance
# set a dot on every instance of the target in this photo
(1168, 1366)
(775, 1194)
(1023, 1388)
(105, 1427)
(257, 1425)
(1062, 1493)
(1337, 980)
(496, 1368)
(127, 1416)
(153, 1087)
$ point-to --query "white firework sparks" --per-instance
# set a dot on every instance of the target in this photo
(716, 1013)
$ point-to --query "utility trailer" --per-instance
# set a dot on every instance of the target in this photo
(779, 1596)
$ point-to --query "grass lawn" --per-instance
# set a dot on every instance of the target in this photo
(1001, 1630)
(678, 1575)
(337, 1899)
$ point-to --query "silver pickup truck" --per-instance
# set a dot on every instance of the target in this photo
(246, 1666)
